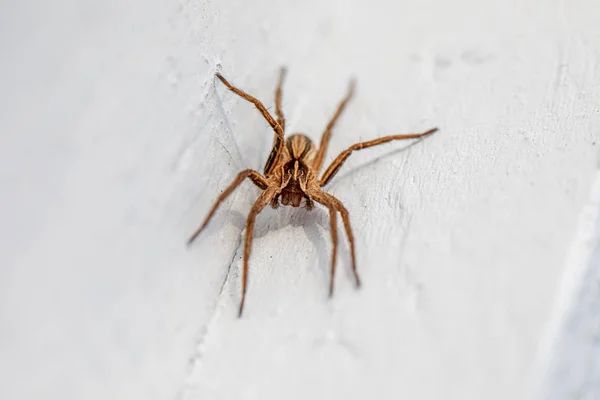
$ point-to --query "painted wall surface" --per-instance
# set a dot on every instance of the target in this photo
(115, 139)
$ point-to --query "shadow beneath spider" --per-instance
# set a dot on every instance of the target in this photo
(270, 220)
(315, 236)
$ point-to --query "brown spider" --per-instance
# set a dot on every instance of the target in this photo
(290, 175)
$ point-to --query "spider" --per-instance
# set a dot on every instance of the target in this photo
(291, 175)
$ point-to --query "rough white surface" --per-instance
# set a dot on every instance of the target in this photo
(569, 364)
(116, 139)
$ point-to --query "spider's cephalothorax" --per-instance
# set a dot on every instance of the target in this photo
(290, 176)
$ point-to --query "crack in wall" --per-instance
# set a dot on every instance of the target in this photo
(194, 361)
(199, 344)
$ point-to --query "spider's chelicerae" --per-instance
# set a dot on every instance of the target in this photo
(291, 175)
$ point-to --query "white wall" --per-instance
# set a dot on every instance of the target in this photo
(568, 364)
(116, 138)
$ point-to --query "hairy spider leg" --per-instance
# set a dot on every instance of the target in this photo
(341, 158)
(346, 219)
(278, 143)
(321, 197)
(278, 108)
(254, 176)
(263, 199)
(277, 147)
(324, 144)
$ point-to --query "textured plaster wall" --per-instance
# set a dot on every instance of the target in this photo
(115, 139)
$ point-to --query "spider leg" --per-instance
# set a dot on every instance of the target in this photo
(278, 109)
(321, 197)
(346, 219)
(278, 143)
(322, 152)
(254, 176)
(260, 203)
(341, 158)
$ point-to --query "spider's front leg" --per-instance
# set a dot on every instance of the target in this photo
(277, 125)
(334, 205)
(321, 197)
(260, 203)
(346, 219)
(254, 176)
